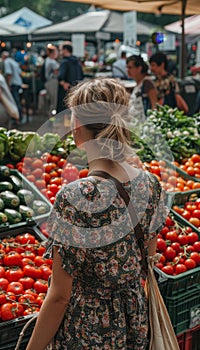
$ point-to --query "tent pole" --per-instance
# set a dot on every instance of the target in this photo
(183, 4)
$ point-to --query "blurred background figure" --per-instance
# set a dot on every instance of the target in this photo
(166, 83)
(9, 115)
(51, 69)
(144, 95)
(119, 67)
(70, 73)
(13, 77)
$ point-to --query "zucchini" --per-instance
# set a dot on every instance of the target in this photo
(16, 182)
(26, 212)
(1, 204)
(10, 199)
(26, 197)
(40, 207)
(5, 185)
(3, 218)
(13, 216)
(4, 172)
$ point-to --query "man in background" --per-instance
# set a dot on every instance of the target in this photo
(119, 67)
(70, 73)
(12, 72)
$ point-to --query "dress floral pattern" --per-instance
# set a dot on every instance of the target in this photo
(107, 309)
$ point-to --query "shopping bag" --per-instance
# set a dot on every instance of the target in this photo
(162, 335)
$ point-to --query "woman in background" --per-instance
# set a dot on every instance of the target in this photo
(144, 95)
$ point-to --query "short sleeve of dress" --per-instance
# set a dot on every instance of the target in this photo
(60, 228)
(160, 210)
(148, 85)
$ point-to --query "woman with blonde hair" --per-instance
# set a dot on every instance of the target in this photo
(96, 299)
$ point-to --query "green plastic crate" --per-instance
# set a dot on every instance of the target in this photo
(186, 175)
(179, 309)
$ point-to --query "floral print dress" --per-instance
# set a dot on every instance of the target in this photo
(108, 307)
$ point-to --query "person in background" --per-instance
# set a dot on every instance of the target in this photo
(144, 95)
(119, 67)
(51, 77)
(70, 73)
(9, 115)
(166, 84)
(12, 73)
(96, 299)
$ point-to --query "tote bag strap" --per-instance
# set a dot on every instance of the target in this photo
(137, 227)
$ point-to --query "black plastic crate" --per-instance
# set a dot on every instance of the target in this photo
(10, 330)
(37, 196)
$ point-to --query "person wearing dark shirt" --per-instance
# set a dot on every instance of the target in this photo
(70, 73)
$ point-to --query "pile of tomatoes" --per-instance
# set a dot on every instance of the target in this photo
(179, 248)
(49, 173)
(24, 275)
(191, 165)
(169, 178)
(190, 211)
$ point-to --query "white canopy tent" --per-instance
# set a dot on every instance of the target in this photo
(90, 22)
(24, 21)
(192, 26)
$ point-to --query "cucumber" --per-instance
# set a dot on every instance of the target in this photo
(40, 207)
(16, 182)
(10, 199)
(26, 212)
(1, 204)
(26, 197)
(5, 185)
(3, 218)
(13, 216)
(4, 172)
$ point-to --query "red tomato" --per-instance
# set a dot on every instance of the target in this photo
(27, 161)
(26, 299)
(83, 173)
(37, 173)
(41, 250)
(56, 180)
(193, 237)
(190, 249)
(169, 222)
(46, 177)
(176, 246)
(196, 246)
(172, 236)
(161, 245)
(31, 310)
(196, 257)
(32, 271)
(15, 287)
(186, 214)
(28, 254)
(10, 297)
(48, 167)
(61, 162)
(38, 163)
(2, 271)
(168, 269)
(164, 231)
(190, 207)
(182, 239)
(194, 221)
(196, 214)
(9, 311)
(40, 298)
(46, 272)
(70, 173)
(52, 200)
(179, 268)
(55, 159)
(39, 260)
(27, 282)
(27, 261)
(53, 188)
(190, 264)
(10, 166)
(32, 292)
(41, 286)
(40, 183)
(28, 238)
(14, 274)
(49, 194)
(31, 178)
(2, 297)
(12, 259)
(59, 172)
(170, 253)
(4, 283)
